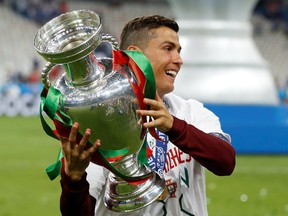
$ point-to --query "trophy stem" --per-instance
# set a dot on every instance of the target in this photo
(83, 71)
(121, 196)
(130, 166)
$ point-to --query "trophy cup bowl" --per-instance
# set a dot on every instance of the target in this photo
(98, 94)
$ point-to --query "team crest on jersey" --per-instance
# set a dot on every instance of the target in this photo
(171, 186)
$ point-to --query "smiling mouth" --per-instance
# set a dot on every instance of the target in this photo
(171, 73)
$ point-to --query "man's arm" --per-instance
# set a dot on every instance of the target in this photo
(212, 152)
(75, 199)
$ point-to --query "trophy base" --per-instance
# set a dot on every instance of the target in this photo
(121, 196)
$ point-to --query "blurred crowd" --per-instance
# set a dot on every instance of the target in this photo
(276, 11)
(39, 11)
(20, 93)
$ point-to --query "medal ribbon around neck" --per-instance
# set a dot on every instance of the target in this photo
(157, 152)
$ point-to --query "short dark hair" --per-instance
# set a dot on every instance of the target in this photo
(137, 31)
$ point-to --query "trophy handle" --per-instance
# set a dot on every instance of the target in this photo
(110, 39)
(47, 68)
(45, 74)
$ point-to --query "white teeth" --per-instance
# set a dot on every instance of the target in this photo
(171, 73)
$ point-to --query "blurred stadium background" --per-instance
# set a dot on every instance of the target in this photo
(241, 75)
(256, 128)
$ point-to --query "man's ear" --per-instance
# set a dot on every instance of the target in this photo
(133, 47)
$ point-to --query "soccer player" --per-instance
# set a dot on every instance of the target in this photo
(193, 134)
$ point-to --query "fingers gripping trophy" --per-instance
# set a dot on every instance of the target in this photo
(102, 94)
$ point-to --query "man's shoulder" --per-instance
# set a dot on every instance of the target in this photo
(189, 107)
(174, 99)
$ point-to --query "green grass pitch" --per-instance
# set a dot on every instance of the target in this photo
(258, 186)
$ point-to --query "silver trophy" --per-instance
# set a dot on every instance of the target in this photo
(98, 94)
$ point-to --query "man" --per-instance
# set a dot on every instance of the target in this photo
(196, 140)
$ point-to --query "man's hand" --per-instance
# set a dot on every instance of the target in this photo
(76, 157)
(162, 119)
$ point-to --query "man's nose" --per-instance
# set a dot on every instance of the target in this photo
(178, 59)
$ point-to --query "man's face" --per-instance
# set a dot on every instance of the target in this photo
(163, 52)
